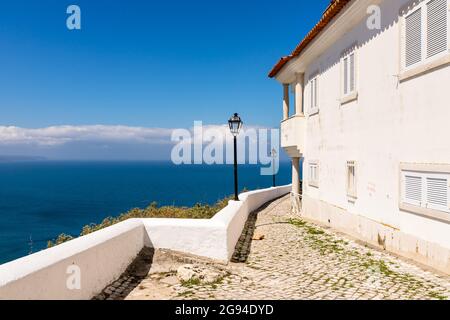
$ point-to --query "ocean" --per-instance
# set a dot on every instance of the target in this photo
(41, 199)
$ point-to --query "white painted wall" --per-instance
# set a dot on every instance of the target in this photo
(391, 122)
(104, 255)
(215, 238)
(235, 219)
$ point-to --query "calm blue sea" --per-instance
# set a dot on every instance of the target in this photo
(40, 200)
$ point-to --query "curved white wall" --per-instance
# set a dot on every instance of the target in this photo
(101, 257)
(235, 219)
(104, 255)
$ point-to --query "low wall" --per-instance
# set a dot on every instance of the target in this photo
(234, 216)
(203, 238)
(101, 257)
(213, 238)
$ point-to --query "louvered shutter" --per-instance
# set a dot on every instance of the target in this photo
(313, 173)
(345, 76)
(413, 189)
(315, 92)
(437, 193)
(413, 38)
(437, 33)
(352, 72)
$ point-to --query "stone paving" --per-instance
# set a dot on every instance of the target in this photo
(295, 259)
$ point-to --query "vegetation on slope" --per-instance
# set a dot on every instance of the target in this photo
(198, 211)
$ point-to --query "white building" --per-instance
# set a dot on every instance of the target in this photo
(370, 116)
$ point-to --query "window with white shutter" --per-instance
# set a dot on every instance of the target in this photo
(349, 73)
(426, 33)
(351, 179)
(413, 38)
(345, 75)
(314, 91)
(437, 27)
(426, 189)
(352, 72)
(437, 193)
(413, 188)
(313, 174)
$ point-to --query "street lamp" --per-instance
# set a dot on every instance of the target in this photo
(235, 123)
(273, 154)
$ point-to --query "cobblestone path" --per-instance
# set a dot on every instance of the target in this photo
(300, 260)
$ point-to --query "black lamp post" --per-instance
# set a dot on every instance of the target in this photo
(235, 123)
(273, 154)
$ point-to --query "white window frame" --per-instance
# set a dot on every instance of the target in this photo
(346, 67)
(351, 94)
(423, 208)
(313, 174)
(352, 189)
(313, 95)
(426, 63)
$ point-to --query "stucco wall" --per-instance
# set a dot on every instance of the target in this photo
(104, 255)
(391, 122)
(101, 257)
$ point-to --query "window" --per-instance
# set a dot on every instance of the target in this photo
(425, 32)
(313, 174)
(292, 99)
(351, 179)
(349, 74)
(425, 191)
(413, 38)
(437, 27)
(313, 95)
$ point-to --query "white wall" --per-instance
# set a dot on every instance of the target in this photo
(104, 255)
(204, 238)
(235, 219)
(390, 123)
(215, 238)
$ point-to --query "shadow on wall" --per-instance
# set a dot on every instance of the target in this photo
(389, 18)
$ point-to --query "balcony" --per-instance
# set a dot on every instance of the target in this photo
(293, 131)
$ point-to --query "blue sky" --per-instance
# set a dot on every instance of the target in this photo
(154, 64)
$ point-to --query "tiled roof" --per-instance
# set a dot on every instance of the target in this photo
(333, 9)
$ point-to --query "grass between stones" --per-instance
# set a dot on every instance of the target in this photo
(191, 282)
(328, 244)
(437, 295)
(196, 282)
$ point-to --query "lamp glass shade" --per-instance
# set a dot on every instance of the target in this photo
(235, 123)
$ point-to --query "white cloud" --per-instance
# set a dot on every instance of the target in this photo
(60, 135)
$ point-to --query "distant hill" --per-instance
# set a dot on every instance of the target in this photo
(13, 158)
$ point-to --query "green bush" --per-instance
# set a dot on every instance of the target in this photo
(198, 211)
